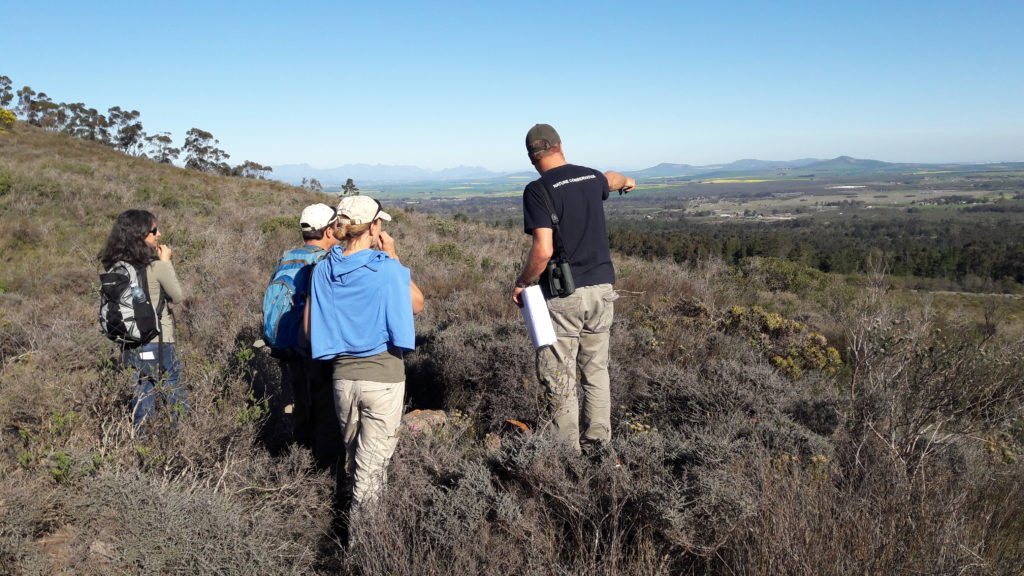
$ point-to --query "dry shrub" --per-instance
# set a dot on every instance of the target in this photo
(127, 523)
(811, 521)
(535, 508)
(530, 509)
(26, 510)
(186, 487)
(484, 370)
(918, 389)
(998, 522)
(441, 513)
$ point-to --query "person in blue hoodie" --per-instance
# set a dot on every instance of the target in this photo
(360, 316)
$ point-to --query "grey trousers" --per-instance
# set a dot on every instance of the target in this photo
(582, 322)
(370, 414)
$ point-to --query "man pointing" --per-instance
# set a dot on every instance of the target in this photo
(582, 319)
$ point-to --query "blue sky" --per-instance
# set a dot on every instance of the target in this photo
(627, 84)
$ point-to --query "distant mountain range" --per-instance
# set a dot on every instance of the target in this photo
(746, 165)
(363, 174)
(377, 174)
(807, 167)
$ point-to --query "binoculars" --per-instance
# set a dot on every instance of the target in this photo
(560, 282)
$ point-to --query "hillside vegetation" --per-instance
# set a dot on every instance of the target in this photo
(768, 419)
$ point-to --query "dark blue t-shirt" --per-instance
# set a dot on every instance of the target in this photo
(578, 194)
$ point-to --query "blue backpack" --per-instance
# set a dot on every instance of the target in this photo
(284, 302)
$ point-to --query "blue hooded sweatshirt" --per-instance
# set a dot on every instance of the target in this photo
(360, 305)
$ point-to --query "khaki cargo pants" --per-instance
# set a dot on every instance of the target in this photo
(370, 414)
(582, 322)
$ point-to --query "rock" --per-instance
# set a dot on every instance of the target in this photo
(101, 549)
(492, 443)
(424, 420)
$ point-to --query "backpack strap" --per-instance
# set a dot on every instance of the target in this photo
(143, 276)
(307, 248)
(293, 261)
(316, 251)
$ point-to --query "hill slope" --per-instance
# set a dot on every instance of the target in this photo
(742, 437)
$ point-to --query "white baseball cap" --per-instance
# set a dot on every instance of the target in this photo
(361, 210)
(317, 217)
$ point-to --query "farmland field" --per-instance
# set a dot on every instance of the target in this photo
(936, 230)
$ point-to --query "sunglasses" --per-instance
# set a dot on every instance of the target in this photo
(154, 231)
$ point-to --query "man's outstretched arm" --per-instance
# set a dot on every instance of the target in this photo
(619, 182)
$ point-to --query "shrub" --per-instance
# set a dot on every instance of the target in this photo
(789, 345)
(281, 223)
(449, 252)
(486, 371)
(6, 182)
(129, 523)
(7, 119)
(778, 274)
(26, 502)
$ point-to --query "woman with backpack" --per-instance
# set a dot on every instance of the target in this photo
(360, 316)
(134, 242)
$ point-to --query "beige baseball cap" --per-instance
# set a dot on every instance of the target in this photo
(361, 210)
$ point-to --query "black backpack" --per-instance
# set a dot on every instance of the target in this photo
(127, 315)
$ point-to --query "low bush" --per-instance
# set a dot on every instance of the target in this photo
(7, 119)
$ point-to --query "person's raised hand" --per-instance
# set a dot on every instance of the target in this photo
(387, 244)
(164, 252)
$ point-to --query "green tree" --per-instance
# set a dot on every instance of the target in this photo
(47, 112)
(250, 169)
(161, 149)
(26, 97)
(6, 94)
(312, 184)
(127, 134)
(61, 116)
(349, 189)
(202, 154)
(87, 123)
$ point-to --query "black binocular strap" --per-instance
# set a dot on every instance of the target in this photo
(554, 221)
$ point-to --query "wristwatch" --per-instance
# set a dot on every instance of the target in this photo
(522, 285)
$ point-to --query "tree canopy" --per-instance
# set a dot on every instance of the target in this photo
(122, 130)
(202, 153)
(349, 189)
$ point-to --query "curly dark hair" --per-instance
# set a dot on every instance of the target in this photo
(127, 240)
